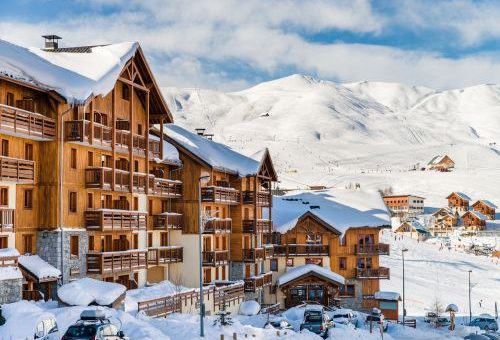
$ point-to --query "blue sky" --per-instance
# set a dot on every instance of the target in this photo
(233, 44)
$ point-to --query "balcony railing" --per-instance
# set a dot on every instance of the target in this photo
(257, 282)
(253, 254)
(263, 199)
(372, 273)
(165, 187)
(116, 261)
(139, 144)
(154, 148)
(17, 170)
(257, 226)
(268, 251)
(302, 250)
(122, 140)
(220, 195)
(80, 131)
(139, 181)
(99, 178)
(122, 180)
(372, 249)
(167, 220)
(7, 219)
(215, 258)
(26, 123)
(110, 220)
(164, 255)
(218, 225)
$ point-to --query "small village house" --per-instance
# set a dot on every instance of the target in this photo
(474, 221)
(405, 206)
(443, 222)
(441, 163)
(486, 208)
(458, 201)
(413, 229)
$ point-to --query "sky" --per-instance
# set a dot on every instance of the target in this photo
(230, 45)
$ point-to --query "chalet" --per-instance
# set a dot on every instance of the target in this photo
(405, 206)
(458, 201)
(486, 208)
(413, 229)
(337, 230)
(441, 163)
(443, 222)
(474, 220)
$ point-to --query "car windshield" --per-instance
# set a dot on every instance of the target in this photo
(372, 318)
(337, 316)
(81, 331)
(313, 318)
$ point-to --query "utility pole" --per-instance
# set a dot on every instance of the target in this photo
(403, 251)
(470, 301)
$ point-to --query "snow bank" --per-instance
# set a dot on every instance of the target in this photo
(250, 307)
(387, 296)
(158, 290)
(21, 319)
(10, 273)
(38, 267)
(85, 291)
(296, 272)
(8, 252)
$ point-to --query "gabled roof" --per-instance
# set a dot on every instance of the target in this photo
(445, 209)
(319, 220)
(486, 202)
(299, 272)
(438, 159)
(38, 269)
(459, 194)
(416, 225)
(477, 214)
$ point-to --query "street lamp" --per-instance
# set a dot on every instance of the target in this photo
(203, 179)
(470, 305)
(403, 251)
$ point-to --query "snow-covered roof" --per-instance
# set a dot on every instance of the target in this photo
(38, 267)
(461, 195)
(170, 153)
(445, 210)
(297, 272)
(477, 214)
(75, 76)
(216, 155)
(341, 208)
(86, 291)
(486, 202)
(8, 252)
(438, 159)
(10, 273)
(417, 225)
(380, 295)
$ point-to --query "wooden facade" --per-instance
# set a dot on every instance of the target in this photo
(458, 202)
(486, 208)
(474, 221)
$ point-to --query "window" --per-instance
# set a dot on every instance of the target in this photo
(150, 239)
(72, 202)
(28, 199)
(28, 151)
(223, 273)
(28, 244)
(342, 263)
(90, 200)
(125, 92)
(10, 99)
(73, 158)
(315, 260)
(107, 201)
(4, 196)
(4, 242)
(289, 262)
(248, 271)
(5, 148)
(135, 241)
(136, 166)
(90, 158)
(74, 245)
(150, 208)
(207, 275)
(91, 242)
(136, 203)
(313, 239)
(364, 263)
(274, 265)
(139, 129)
(163, 239)
(348, 290)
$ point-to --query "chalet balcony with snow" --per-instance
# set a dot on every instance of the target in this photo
(115, 220)
(373, 273)
(167, 220)
(116, 262)
(263, 226)
(215, 257)
(372, 249)
(258, 282)
(216, 225)
(20, 118)
(302, 250)
(164, 255)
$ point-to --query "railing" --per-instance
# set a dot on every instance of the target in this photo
(18, 170)
(372, 249)
(301, 249)
(263, 199)
(167, 221)
(139, 144)
(32, 295)
(26, 123)
(268, 251)
(100, 178)
(122, 140)
(218, 225)
(139, 182)
(165, 187)
(122, 180)
(9, 261)
(257, 282)
(215, 258)
(253, 254)
(227, 294)
(79, 131)
(116, 261)
(109, 219)
(257, 226)
(270, 309)
(372, 273)
(164, 255)
(7, 219)
(220, 195)
(154, 148)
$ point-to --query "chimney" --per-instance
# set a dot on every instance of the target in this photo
(51, 41)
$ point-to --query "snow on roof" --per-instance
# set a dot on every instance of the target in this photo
(170, 153)
(216, 155)
(438, 159)
(445, 209)
(38, 267)
(86, 291)
(477, 214)
(10, 273)
(8, 252)
(75, 76)
(488, 203)
(387, 296)
(461, 195)
(417, 225)
(296, 272)
(341, 208)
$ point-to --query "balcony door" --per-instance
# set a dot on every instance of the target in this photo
(207, 244)
(364, 263)
(121, 244)
(365, 240)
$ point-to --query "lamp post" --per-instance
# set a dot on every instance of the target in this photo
(403, 251)
(470, 304)
(202, 179)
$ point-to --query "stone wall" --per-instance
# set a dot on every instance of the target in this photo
(11, 290)
(353, 302)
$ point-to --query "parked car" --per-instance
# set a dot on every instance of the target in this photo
(46, 328)
(485, 322)
(492, 336)
(430, 316)
(316, 320)
(344, 316)
(376, 318)
(474, 336)
(279, 323)
(93, 325)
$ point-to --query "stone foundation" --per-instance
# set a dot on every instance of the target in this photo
(11, 290)
(356, 301)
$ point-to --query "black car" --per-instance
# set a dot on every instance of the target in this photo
(93, 325)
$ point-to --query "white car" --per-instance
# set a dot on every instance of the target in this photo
(344, 316)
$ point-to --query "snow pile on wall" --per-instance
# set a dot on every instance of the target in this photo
(38, 267)
(296, 272)
(8, 252)
(85, 291)
(10, 273)
(387, 296)
(249, 308)
(21, 318)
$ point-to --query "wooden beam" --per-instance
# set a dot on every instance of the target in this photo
(137, 86)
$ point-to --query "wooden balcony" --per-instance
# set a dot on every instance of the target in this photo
(253, 254)
(372, 249)
(17, 170)
(263, 199)
(164, 255)
(257, 282)
(220, 195)
(122, 180)
(122, 140)
(139, 144)
(218, 225)
(154, 148)
(373, 273)
(257, 226)
(115, 262)
(165, 187)
(7, 219)
(268, 251)
(111, 220)
(98, 178)
(139, 182)
(215, 258)
(167, 220)
(301, 250)
(27, 124)
(82, 131)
